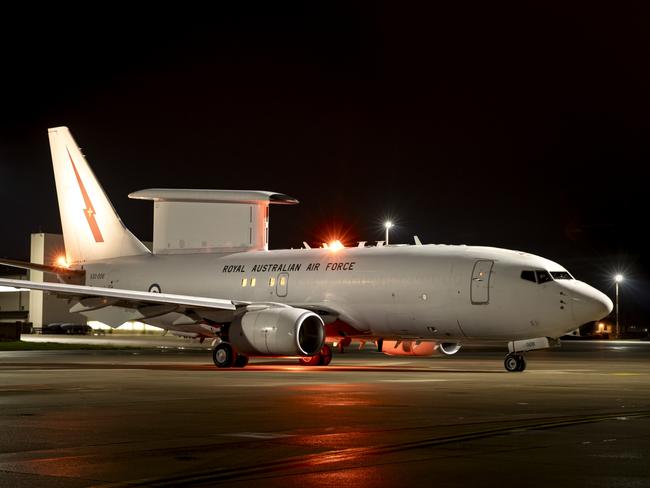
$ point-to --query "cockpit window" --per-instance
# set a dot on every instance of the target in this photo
(529, 276)
(543, 277)
(561, 275)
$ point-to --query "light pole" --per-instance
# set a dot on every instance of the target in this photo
(617, 279)
(388, 224)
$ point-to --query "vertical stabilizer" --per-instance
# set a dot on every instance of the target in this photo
(92, 229)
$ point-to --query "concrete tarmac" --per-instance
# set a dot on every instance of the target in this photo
(578, 416)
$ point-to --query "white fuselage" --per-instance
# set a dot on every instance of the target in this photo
(433, 292)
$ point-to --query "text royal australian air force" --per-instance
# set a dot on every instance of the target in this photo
(288, 267)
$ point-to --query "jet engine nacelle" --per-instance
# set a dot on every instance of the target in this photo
(278, 331)
(419, 348)
(449, 348)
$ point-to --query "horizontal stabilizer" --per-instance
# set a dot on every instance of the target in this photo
(58, 270)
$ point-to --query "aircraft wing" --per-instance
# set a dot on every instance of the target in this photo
(123, 298)
(114, 306)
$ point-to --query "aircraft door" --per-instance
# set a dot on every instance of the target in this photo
(480, 286)
(282, 286)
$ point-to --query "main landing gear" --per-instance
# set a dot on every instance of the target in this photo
(515, 362)
(224, 356)
(323, 358)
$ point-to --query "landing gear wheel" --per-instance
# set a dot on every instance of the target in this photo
(240, 361)
(521, 366)
(326, 355)
(323, 358)
(223, 355)
(311, 360)
(514, 363)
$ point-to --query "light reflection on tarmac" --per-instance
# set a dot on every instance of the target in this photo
(579, 416)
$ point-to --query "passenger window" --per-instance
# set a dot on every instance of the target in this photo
(272, 281)
(283, 281)
(528, 276)
(543, 277)
(253, 281)
(244, 282)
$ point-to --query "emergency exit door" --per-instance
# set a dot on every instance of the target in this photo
(282, 285)
(480, 287)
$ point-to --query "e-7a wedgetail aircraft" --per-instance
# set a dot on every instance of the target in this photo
(211, 275)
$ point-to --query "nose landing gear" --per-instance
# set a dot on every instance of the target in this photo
(515, 362)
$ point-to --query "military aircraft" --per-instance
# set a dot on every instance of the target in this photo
(211, 275)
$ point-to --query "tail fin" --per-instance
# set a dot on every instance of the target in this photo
(92, 229)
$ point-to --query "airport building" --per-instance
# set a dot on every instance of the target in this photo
(14, 306)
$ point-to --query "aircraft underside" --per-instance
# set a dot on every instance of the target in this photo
(337, 335)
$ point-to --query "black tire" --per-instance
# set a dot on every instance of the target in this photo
(326, 355)
(521, 366)
(316, 360)
(240, 361)
(223, 355)
(511, 363)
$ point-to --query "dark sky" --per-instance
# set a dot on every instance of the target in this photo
(524, 128)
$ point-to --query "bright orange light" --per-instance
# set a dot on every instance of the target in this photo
(335, 245)
(61, 262)
(335, 231)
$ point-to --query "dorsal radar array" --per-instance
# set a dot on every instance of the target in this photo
(190, 221)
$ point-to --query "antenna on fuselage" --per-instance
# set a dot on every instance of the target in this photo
(417, 240)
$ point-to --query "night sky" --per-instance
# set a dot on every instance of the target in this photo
(521, 128)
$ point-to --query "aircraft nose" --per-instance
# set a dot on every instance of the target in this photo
(590, 305)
